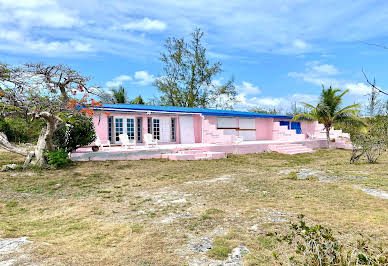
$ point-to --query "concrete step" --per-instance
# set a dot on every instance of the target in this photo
(290, 148)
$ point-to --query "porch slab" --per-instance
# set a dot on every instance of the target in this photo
(199, 150)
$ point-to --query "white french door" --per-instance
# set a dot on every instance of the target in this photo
(119, 128)
(124, 126)
(131, 128)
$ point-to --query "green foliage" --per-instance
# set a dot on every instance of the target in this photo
(119, 95)
(77, 132)
(265, 110)
(221, 249)
(19, 129)
(317, 245)
(58, 159)
(372, 142)
(5, 128)
(188, 76)
(137, 100)
(329, 110)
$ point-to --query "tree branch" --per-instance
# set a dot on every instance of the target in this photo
(373, 84)
(9, 147)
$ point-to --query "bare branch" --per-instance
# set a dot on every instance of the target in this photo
(375, 44)
(373, 84)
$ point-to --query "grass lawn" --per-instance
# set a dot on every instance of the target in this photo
(153, 212)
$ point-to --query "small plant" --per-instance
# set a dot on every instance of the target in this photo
(58, 159)
(316, 245)
(221, 249)
(136, 228)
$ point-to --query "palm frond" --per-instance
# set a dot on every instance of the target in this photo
(304, 115)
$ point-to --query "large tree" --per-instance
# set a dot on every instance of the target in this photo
(329, 110)
(188, 77)
(50, 93)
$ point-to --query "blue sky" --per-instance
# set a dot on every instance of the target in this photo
(278, 51)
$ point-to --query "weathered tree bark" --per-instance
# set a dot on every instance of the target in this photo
(5, 144)
(45, 137)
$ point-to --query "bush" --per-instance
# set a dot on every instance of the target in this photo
(77, 132)
(5, 128)
(372, 143)
(19, 129)
(316, 245)
(58, 159)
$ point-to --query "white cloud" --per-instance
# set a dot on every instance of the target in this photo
(299, 44)
(327, 75)
(248, 88)
(118, 81)
(13, 36)
(47, 18)
(24, 3)
(280, 103)
(34, 13)
(145, 24)
(143, 78)
(325, 69)
(358, 88)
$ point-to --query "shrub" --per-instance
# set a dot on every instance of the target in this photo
(77, 132)
(58, 159)
(316, 245)
(373, 143)
(5, 128)
(19, 129)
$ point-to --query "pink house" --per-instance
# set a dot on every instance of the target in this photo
(195, 133)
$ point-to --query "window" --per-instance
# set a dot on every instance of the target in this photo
(139, 122)
(149, 124)
(173, 130)
(118, 128)
(110, 128)
(131, 128)
(156, 129)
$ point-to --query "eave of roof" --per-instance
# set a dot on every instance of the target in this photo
(187, 110)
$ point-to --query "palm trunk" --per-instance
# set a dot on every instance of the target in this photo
(328, 137)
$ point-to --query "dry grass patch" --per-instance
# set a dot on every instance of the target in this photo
(148, 212)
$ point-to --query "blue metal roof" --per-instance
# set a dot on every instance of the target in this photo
(174, 109)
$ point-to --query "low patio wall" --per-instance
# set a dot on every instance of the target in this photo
(85, 154)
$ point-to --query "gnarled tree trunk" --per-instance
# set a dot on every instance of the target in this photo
(44, 142)
(45, 137)
(5, 144)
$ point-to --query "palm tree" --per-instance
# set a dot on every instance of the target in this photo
(119, 95)
(329, 111)
(138, 100)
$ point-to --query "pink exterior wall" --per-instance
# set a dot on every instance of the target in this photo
(264, 127)
(198, 128)
(100, 121)
(206, 131)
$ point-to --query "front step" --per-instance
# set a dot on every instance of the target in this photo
(290, 148)
(194, 156)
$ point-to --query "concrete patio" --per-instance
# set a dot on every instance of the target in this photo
(200, 151)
